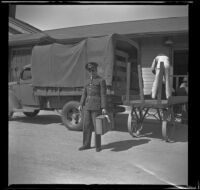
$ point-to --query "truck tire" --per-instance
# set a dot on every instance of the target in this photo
(72, 117)
(31, 114)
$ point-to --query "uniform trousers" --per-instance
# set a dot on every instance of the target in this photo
(89, 124)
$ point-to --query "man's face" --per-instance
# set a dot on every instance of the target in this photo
(93, 71)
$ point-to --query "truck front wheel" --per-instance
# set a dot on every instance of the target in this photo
(71, 116)
(31, 114)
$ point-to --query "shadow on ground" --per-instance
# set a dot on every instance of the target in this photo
(124, 145)
(39, 119)
(150, 126)
(153, 128)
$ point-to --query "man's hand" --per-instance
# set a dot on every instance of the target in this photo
(80, 108)
(104, 111)
(153, 71)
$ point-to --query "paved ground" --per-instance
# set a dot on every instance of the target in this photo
(43, 151)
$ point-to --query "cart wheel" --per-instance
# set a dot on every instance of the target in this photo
(132, 126)
(164, 130)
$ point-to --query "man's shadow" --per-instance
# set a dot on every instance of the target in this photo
(124, 145)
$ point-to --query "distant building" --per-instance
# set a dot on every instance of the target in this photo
(17, 27)
(166, 35)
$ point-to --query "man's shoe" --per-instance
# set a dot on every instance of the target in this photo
(170, 140)
(84, 147)
(98, 149)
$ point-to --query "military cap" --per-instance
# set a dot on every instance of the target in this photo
(90, 65)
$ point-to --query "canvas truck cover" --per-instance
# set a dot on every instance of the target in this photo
(63, 65)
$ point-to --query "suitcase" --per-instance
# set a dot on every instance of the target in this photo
(103, 124)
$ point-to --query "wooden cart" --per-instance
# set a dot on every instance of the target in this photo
(138, 109)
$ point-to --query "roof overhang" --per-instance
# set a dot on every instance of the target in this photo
(129, 28)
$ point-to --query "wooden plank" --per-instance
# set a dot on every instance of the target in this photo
(140, 83)
(148, 103)
(147, 73)
(134, 61)
(121, 53)
(148, 85)
(177, 99)
(177, 80)
(160, 81)
(121, 85)
(119, 68)
(148, 80)
(118, 79)
(148, 88)
(146, 69)
(120, 74)
(120, 63)
(128, 80)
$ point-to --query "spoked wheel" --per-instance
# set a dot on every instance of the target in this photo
(168, 125)
(164, 130)
(168, 119)
(71, 116)
(134, 127)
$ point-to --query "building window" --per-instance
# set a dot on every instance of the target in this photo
(180, 66)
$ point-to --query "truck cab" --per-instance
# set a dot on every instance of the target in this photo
(21, 95)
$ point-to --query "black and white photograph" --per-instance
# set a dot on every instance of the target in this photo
(98, 94)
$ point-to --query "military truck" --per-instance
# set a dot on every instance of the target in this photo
(55, 78)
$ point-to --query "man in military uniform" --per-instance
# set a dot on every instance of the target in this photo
(94, 101)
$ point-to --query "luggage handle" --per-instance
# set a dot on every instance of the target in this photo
(107, 117)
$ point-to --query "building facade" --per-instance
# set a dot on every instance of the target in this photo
(18, 56)
(154, 36)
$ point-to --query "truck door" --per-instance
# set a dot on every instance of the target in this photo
(26, 89)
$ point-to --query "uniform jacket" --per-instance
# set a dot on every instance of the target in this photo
(94, 94)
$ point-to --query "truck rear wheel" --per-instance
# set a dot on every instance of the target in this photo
(71, 116)
(31, 114)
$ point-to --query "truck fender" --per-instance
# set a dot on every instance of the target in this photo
(14, 102)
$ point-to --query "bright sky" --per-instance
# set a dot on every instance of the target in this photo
(47, 17)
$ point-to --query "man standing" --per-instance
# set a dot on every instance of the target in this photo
(94, 101)
(161, 58)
